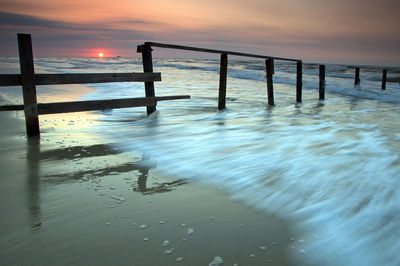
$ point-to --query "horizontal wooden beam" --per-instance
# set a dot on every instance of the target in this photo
(213, 51)
(80, 78)
(81, 106)
(10, 80)
(12, 108)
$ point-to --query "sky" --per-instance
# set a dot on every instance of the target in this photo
(339, 31)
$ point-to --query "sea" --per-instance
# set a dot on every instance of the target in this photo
(331, 167)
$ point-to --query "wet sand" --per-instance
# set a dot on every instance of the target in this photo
(71, 198)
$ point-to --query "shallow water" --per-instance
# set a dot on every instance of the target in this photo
(330, 167)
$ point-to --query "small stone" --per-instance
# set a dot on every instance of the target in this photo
(132, 224)
(142, 226)
(217, 261)
(146, 239)
(167, 251)
(190, 231)
(252, 255)
(161, 222)
(165, 243)
(263, 248)
(179, 259)
(212, 218)
(183, 225)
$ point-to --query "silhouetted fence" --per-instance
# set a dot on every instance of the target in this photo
(28, 80)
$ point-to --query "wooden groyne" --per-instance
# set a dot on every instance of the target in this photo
(269, 66)
(28, 79)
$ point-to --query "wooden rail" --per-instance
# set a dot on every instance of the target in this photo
(28, 80)
(214, 51)
(82, 106)
(55, 79)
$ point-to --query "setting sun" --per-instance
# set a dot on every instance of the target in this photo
(101, 54)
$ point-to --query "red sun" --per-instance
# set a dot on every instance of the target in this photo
(101, 54)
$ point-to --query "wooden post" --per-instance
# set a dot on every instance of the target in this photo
(357, 77)
(222, 81)
(269, 66)
(299, 81)
(148, 67)
(384, 74)
(28, 84)
(322, 82)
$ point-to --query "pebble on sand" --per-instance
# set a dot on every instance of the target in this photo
(165, 243)
(179, 259)
(217, 261)
(167, 251)
(142, 226)
(190, 231)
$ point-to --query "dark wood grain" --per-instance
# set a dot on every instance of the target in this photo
(28, 84)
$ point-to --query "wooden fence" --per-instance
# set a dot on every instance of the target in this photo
(269, 65)
(28, 80)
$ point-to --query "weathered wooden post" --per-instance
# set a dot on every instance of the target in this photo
(222, 81)
(357, 77)
(147, 67)
(384, 75)
(28, 84)
(322, 82)
(299, 81)
(269, 67)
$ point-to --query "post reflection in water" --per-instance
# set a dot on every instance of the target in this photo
(68, 158)
(33, 179)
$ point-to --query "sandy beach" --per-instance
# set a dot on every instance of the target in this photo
(70, 198)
